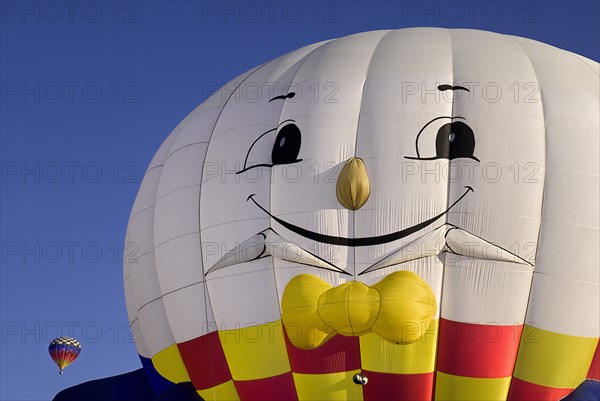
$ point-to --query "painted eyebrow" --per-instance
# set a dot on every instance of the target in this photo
(288, 96)
(450, 87)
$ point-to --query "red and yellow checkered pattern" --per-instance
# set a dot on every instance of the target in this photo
(550, 365)
(452, 361)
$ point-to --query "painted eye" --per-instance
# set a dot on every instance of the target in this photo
(284, 149)
(287, 145)
(454, 140)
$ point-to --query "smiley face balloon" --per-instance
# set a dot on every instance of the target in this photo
(402, 215)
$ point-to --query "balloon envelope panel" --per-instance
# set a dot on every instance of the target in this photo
(475, 161)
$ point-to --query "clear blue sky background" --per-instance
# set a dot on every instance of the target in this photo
(90, 90)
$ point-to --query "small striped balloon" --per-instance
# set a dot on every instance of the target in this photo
(63, 351)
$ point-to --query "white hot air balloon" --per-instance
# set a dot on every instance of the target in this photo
(404, 214)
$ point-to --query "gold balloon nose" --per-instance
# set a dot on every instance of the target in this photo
(352, 189)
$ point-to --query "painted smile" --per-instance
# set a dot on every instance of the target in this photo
(364, 241)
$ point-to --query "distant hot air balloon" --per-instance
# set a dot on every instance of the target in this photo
(405, 214)
(63, 351)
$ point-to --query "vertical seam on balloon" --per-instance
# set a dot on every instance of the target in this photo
(167, 143)
(131, 269)
(581, 58)
(205, 285)
(347, 310)
(437, 343)
(139, 338)
(302, 61)
(533, 274)
(362, 92)
(353, 212)
(207, 302)
(146, 354)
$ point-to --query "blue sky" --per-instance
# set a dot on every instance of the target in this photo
(89, 91)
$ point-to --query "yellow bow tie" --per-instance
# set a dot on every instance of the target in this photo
(399, 308)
